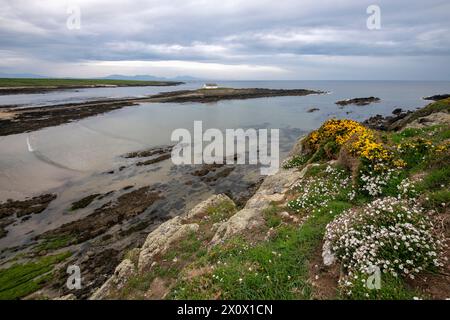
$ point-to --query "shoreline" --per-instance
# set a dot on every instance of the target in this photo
(20, 120)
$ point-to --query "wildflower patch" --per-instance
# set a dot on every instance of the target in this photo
(361, 141)
(394, 235)
(317, 191)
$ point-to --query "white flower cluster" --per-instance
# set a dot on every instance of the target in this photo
(294, 162)
(406, 189)
(318, 191)
(373, 181)
(392, 234)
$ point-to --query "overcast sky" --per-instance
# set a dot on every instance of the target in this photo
(226, 39)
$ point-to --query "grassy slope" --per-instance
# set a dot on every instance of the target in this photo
(274, 261)
(279, 267)
(438, 106)
(28, 82)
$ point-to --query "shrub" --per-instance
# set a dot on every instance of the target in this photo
(361, 141)
(317, 191)
(376, 180)
(295, 162)
(414, 152)
(391, 234)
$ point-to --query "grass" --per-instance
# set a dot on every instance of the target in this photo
(271, 216)
(278, 268)
(190, 248)
(435, 179)
(438, 200)
(295, 162)
(438, 106)
(20, 280)
(220, 212)
(391, 288)
(274, 261)
(170, 265)
(30, 82)
(274, 269)
(408, 133)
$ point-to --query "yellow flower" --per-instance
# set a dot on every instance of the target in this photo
(399, 163)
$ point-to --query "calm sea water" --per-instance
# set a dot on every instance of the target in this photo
(71, 159)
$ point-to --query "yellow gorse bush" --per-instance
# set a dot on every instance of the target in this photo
(360, 140)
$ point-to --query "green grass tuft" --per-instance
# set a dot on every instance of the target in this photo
(20, 280)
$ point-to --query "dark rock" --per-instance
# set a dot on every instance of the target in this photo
(387, 123)
(397, 111)
(149, 152)
(437, 97)
(358, 101)
(26, 207)
(154, 160)
(124, 207)
(83, 203)
(3, 224)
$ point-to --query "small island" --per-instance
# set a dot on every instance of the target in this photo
(358, 101)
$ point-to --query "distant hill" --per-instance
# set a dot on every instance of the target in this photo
(110, 77)
(21, 75)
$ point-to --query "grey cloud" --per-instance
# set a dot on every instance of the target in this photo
(279, 34)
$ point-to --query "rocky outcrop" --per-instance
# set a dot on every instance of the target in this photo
(156, 244)
(438, 118)
(297, 148)
(273, 189)
(358, 101)
(386, 123)
(432, 114)
(160, 240)
(437, 97)
(124, 271)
